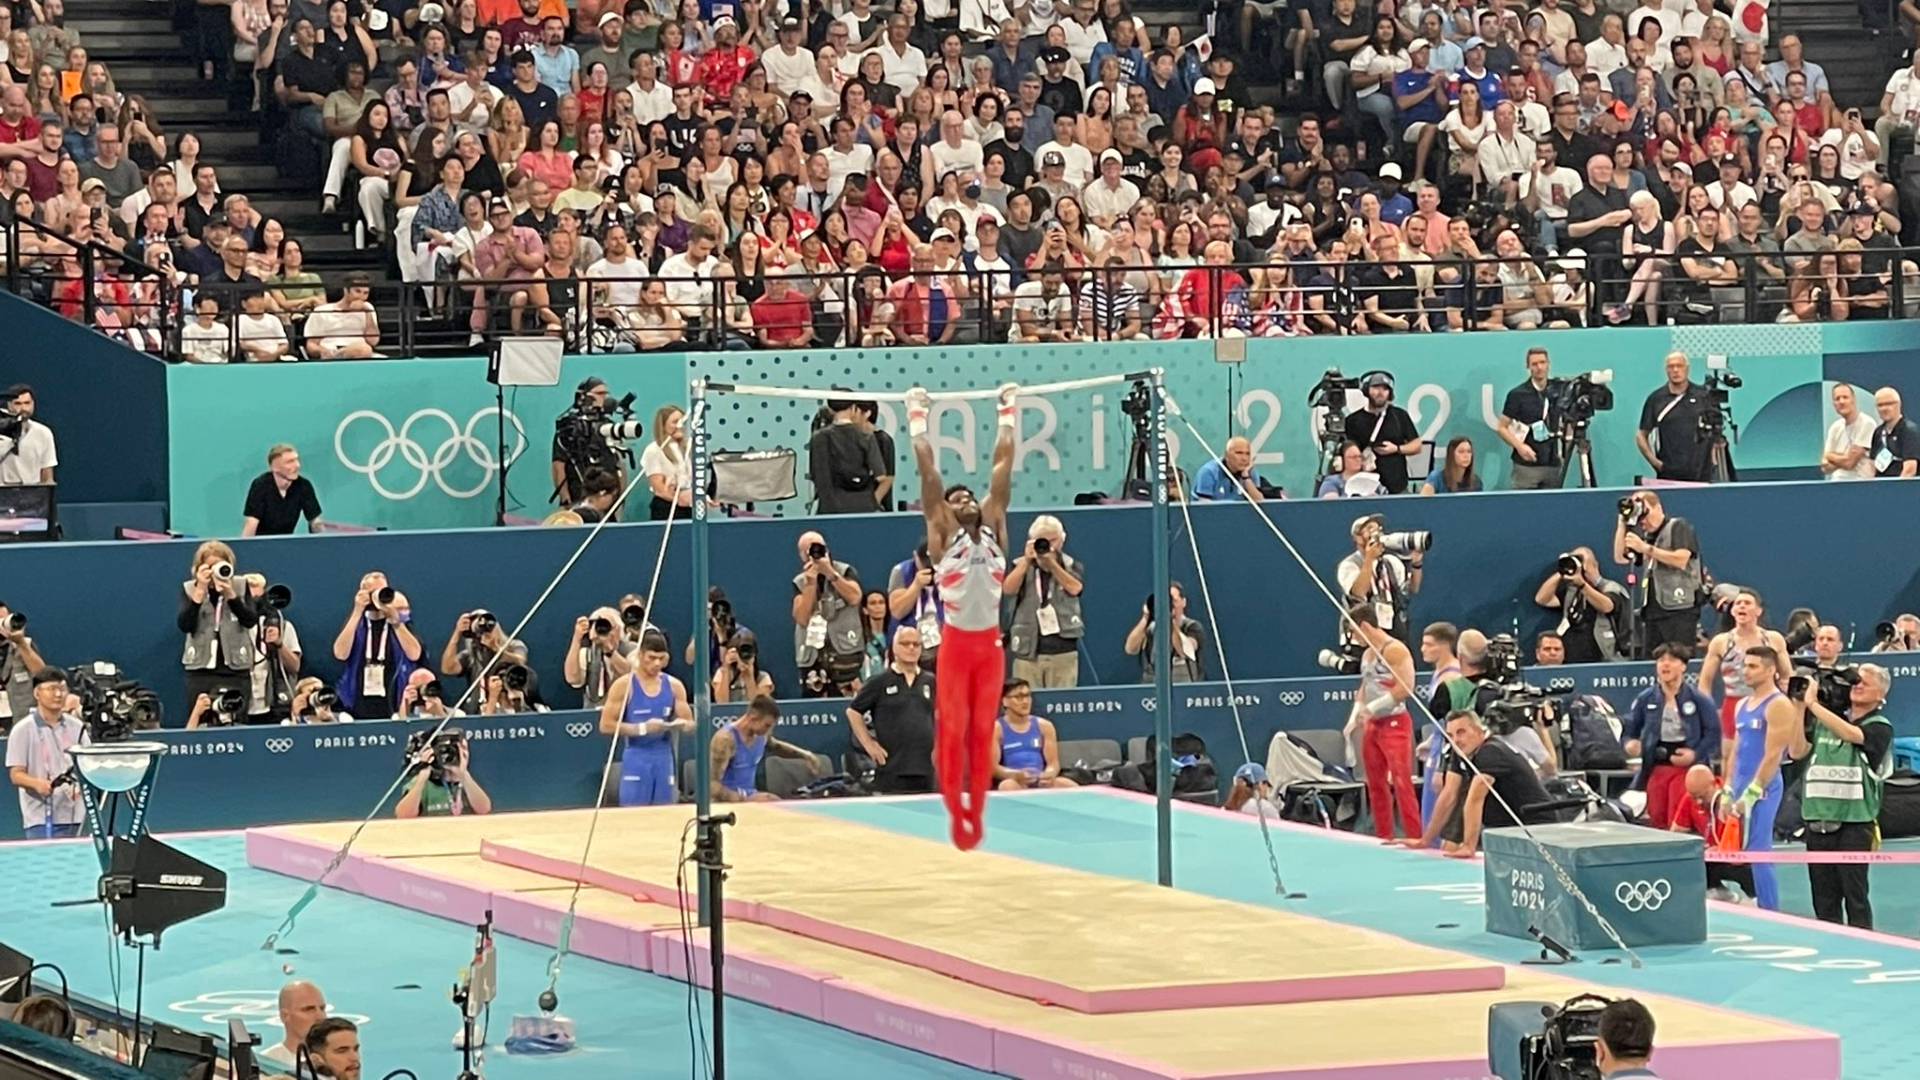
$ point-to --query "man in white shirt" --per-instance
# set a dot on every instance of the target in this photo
(471, 101)
(845, 157)
(1729, 192)
(1899, 106)
(1849, 438)
(1083, 31)
(692, 297)
(31, 459)
(955, 150)
(902, 65)
(652, 99)
(1078, 159)
(617, 278)
(1042, 307)
(206, 339)
(1657, 11)
(789, 63)
(262, 336)
(1546, 189)
(348, 328)
(302, 1005)
(1505, 155)
(1112, 194)
(1568, 81)
(1607, 53)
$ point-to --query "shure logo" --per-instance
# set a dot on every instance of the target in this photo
(181, 879)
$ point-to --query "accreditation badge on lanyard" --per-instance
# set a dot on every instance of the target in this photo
(373, 673)
(1049, 619)
(817, 631)
(929, 620)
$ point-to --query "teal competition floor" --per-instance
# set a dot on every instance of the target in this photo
(1864, 990)
(391, 970)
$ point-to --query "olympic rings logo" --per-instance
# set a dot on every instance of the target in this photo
(1148, 704)
(279, 746)
(1292, 697)
(580, 730)
(459, 440)
(255, 1007)
(1643, 895)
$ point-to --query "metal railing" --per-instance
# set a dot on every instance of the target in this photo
(93, 284)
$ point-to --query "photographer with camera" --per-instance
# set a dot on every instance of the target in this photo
(1383, 571)
(1625, 1041)
(442, 783)
(223, 708)
(1671, 585)
(1726, 656)
(476, 640)
(1895, 448)
(39, 764)
(647, 709)
(828, 646)
(1189, 639)
(507, 692)
(314, 702)
(597, 654)
(377, 648)
(1901, 634)
(18, 661)
(913, 596)
(1672, 416)
(1593, 610)
(579, 445)
(739, 677)
(217, 617)
(276, 653)
(424, 699)
(1046, 627)
(1670, 727)
(1846, 778)
(27, 453)
(844, 463)
(1529, 426)
(720, 624)
(1385, 431)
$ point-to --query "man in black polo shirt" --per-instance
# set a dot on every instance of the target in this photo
(892, 720)
(306, 78)
(1673, 411)
(1496, 769)
(278, 498)
(1527, 425)
(1895, 449)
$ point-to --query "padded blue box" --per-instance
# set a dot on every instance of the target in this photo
(1650, 885)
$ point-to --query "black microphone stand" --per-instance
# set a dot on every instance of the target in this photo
(708, 859)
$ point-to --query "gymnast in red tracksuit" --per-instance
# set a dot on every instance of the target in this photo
(971, 563)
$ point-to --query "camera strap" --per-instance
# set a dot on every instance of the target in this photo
(1380, 422)
(1660, 417)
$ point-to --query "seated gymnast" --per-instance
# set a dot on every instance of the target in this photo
(1027, 754)
(739, 747)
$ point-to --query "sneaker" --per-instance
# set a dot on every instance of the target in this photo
(1617, 313)
(1722, 894)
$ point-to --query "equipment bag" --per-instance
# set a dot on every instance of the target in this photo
(1591, 735)
(1900, 806)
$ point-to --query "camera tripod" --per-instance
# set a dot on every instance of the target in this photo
(1577, 445)
(1720, 468)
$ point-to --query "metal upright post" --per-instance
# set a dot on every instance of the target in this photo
(702, 703)
(1163, 636)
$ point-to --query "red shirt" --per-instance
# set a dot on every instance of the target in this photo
(27, 130)
(784, 321)
(719, 69)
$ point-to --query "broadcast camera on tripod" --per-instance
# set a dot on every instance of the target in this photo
(1716, 419)
(587, 436)
(1576, 399)
(1137, 485)
(1329, 396)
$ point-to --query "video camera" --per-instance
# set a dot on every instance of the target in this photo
(1138, 407)
(112, 707)
(1330, 396)
(1716, 418)
(446, 750)
(1832, 686)
(11, 424)
(1566, 1045)
(1578, 397)
(587, 438)
(1515, 703)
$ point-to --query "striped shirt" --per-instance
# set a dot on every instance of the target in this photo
(1110, 308)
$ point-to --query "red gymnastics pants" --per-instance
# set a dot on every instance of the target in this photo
(1666, 793)
(1386, 753)
(968, 674)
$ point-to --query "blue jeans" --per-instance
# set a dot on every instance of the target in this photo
(51, 832)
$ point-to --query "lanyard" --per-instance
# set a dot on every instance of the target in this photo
(376, 652)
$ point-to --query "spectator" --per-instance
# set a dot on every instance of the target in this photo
(340, 116)
(1046, 626)
(782, 316)
(347, 328)
(891, 720)
(38, 755)
(262, 336)
(1453, 472)
(278, 498)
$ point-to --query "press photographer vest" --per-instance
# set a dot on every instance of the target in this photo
(1668, 588)
(843, 623)
(1040, 589)
(1840, 785)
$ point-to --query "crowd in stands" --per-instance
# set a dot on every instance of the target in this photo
(655, 175)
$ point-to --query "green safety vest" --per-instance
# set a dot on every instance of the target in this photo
(1839, 785)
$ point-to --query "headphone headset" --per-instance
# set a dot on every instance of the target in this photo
(69, 1029)
(1367, 377)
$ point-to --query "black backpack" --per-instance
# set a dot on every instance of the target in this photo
(847, 460)
(1591, 735)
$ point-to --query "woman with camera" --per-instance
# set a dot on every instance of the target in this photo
(739, 677)
(217, 617)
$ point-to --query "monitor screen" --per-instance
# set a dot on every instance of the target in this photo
(27, 512)
(167, 1063)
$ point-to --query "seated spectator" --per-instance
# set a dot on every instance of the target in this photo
(1453, 472)
(347, 328)
(781, 316)
(206, 340)
(261, 336)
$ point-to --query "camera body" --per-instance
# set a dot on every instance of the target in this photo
(816, 550)
(1579, 397)
(1330, 395)
(1832, 686)
(1342, 661)
(1569, 565)
(1566, 1045)
(1138, 407)
(112, 707)
(1632, 510)
(1043, 546)
(446, 750)
(229, 705)
(601, 626)
(633, 616)
(482, 624)
(515, 677)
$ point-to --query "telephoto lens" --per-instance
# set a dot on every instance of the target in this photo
(602, 627)
(386, 596)
(633, 615)
(16, 622)
(223, 570)
(817, 551)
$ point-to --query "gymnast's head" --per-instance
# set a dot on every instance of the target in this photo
(966, 508)
(653, 653)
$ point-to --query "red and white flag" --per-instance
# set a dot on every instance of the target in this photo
(1750, 20)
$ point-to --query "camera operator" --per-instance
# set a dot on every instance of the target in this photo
(891, 719)
(1385, 430)
(1487, 767)
(844, 463)
(739, 677)
(1625, 1042)
(39, 764)
(1671, 727)
(737, 749)
(1593, 610)
(377, 648)
(647, 709)
(598, 653)
(1527, 425)
(1846, 777)
(1377, 576)
(1046, 627)
(1895, 448)
(442, 787)
(1380, 711)
(315, 703)
(217, 617)
(578, 447)
(424, 699)
(913, 596)
(1726, 655)
(476, 640)
(1189, 639)
(276, 653)
(1900, 635)
(1672, 413)
(18, 661)
(1668, 547)
(27, 453)
(826, 621)
(278, 498)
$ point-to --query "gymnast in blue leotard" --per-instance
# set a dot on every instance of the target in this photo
(647, 708)
(1767, 728)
